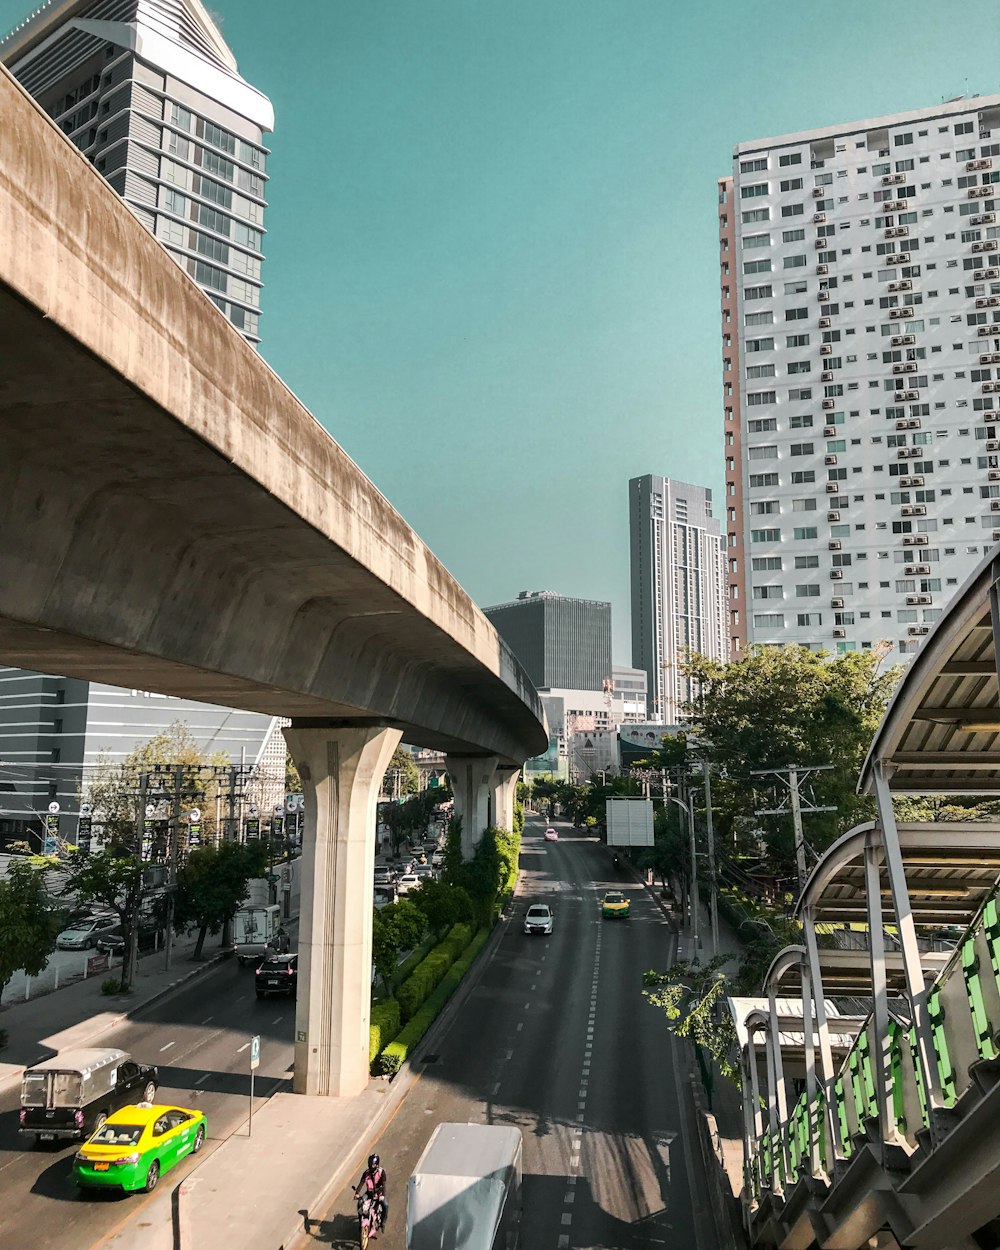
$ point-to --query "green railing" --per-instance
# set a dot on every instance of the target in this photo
(964, 1011)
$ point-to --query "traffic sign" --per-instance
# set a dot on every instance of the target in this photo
(54, 808)
(255, 1052)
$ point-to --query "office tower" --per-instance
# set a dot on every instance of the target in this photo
(149, 92)
(560, 642)
(678, 587)
(863, 464)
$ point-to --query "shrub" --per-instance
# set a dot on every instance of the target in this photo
(111, 985)
(429, 972)
(3, 1038)
(385, 1023)
(396, 1053)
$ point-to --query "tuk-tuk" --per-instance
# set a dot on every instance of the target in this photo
(72, 1094)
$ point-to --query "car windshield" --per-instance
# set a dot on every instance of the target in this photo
(117, 1135)
(614, 897)
(79, 928)
(538, 911)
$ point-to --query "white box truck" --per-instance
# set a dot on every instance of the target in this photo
(258, 932)
(465, 1192)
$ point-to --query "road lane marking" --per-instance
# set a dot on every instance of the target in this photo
(520, 1026)
(581, 1106)
(167, 1047)
(208, 1020)
(567, 1217)
(496, 1089)
(563, 1242)
(526, 1006)
(204, 1077)
(278, 1021)
(244, 1047)
(569, 1199)
(570, 1180)
(510, 1055)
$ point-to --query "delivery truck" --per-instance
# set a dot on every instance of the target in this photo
(465, 1192)
(257, 932)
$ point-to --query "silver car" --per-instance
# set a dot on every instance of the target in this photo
(83, 934)
(538, 919)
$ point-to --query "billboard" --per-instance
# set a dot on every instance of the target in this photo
(630, 822)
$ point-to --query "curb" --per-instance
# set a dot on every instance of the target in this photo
(13, 1078)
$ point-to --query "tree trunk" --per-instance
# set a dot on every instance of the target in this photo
(200, 943)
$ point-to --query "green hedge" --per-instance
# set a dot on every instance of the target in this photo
(384, 1026)
(429, 972)
(410, 962)
(396, 1053)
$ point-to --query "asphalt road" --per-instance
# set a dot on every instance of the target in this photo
(200, 1039)
(557, 1039)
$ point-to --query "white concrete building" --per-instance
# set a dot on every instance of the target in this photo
(678, 587)
(863, 458)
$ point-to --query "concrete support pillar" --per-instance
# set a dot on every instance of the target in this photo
(341, 771)
(504, 792)
(471, 779)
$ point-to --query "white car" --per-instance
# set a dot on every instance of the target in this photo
(437, 859)
(407, 882)
(538, 919)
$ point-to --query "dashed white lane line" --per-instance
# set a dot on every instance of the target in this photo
(167, 1047)
(571, 1181)
(563, 1243)
(510, 1055)
(520, 1026)
(496, 1089)
(244, 1047)
(526, 1006)
(208, 1020)
(569, 1199)
(567, 1217)
(204, 1077)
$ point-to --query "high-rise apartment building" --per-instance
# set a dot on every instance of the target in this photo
(862, 374)
(560, 642)
(150, 93)
(678, 587)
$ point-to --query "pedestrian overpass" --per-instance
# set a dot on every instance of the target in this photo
(871, 1072)
(173, 519)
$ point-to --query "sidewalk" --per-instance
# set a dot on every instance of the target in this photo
(77, 1014)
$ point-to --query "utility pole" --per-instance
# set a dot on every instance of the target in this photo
(713, 884)
(695, 941)
(790, 776)
(175, 829)
(134, 902)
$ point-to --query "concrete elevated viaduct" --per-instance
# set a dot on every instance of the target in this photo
(173, 519)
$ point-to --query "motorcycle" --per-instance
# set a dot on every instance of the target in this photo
(369, 1223)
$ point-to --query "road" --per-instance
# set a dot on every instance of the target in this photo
(557, 1039)
(200, 1039)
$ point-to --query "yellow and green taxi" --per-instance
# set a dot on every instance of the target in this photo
(136, 1144)
(615, 905)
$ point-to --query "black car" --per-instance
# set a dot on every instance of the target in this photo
(112, 941)
(278, 974)
(72, 1094)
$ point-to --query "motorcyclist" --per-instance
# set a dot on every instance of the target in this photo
(373, 1181)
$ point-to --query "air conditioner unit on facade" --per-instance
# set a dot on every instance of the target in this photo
(829, 459)
(824, 324)
(819, 192)
(819, 218)
(828, 403)
(993, 444)
(993, 475)
(834, 544)
(918, 629)
(916, 570)
(838, 632)
(995, 505)
(989, 358)
(907, 396)
(836, 575)
(833, 516)
(829, 431)
(984, 332)
(826, 376)
(821, 269)
(833, 488)
(836, 603)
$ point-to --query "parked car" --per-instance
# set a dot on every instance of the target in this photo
(407, 882)
(277, 975)
(112, 941)
(83, 934)
(551, 835)
(136, 1144)
(72, 1094)
(538, 919)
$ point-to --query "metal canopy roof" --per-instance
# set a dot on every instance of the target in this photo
(951, 868)
(848, 973)
(941, 732)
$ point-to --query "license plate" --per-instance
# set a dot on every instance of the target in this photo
(46, 1136)
(274, 981)
(101, 1167)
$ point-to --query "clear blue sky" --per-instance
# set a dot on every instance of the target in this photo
(492, 257)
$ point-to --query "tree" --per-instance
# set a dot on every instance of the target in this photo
(442, 905)
(694, 1003)
(114, 880)
(776, 706)
(396, 928)
(212, 883)
(28, 925)
(402, 776)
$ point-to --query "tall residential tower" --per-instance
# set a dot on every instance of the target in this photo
(860, 272)
(678, 587)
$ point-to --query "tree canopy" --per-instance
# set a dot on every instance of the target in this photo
(212, 883)
(28, 924)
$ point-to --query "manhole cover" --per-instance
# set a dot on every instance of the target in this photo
(431, 1059)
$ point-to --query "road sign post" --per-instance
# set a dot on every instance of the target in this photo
(254, 1064)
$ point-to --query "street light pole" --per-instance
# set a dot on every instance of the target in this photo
(694, 878)
(712, 883)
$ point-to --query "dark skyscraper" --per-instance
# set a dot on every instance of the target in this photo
(563, 643)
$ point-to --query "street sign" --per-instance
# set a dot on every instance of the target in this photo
(255, 1052)
(54, 808)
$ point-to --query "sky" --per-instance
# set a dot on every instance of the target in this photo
(492, 246)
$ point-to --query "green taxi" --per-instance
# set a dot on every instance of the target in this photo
(615, 905)
(136, 1144)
